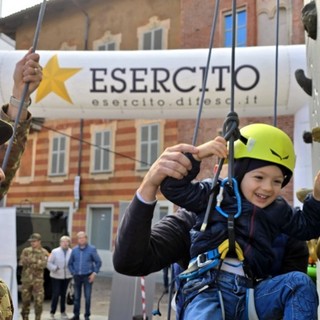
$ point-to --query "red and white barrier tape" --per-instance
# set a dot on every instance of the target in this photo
(143, 296)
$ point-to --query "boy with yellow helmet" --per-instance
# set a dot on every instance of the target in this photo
(234, 252)
(266, 143)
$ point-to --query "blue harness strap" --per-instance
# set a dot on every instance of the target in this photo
(201, 264)
(209, 260)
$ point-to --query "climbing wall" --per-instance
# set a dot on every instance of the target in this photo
(313, 60)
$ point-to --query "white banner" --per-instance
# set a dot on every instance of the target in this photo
(160, 84)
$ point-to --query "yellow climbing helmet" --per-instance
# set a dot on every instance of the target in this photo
(265, 142)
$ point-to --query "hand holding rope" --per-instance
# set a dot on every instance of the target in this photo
(231, 132)
(26, 87)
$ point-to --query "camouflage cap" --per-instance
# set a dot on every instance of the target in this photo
(34, 237)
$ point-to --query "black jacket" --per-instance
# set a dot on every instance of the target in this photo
(141, 250)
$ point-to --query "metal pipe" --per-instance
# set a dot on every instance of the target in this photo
(26, 87)
(86, 36)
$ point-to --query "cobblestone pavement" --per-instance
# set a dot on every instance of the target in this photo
(100, 302)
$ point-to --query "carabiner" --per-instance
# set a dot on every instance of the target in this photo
(237, 194)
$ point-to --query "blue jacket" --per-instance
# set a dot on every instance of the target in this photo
(255, 228)
(84, 261)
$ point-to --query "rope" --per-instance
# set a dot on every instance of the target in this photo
(204, 83)
(233, 50)
(230, 127)
(230, 130)
(275, 116)
(233, 55)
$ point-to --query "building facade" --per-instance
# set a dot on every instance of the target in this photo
(89, 169)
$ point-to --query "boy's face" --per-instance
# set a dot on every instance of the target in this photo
(262, 186)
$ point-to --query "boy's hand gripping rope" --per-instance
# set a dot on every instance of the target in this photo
(231, 133)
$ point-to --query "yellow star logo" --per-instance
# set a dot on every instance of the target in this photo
(53, 78)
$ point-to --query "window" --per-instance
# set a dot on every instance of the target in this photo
(61, 210)
(102, 142)
(241, 29)
(154, 35)
(101, 228)
(58, 156)
(152, 40)
(66, 46)
(149, 144)
(24, 208)
(108, 42)
(101, 152)
(163, 211)
(267, 24)
(107, 46)
(57, 211)
(26, 170)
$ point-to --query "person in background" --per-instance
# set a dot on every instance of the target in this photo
(33, 260)
(60, 275)
(27, 70)
(84, 264)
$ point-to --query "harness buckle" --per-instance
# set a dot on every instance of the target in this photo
(219, 197)
(202, 260)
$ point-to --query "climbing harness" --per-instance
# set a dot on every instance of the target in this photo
(211, 259)
(208, 260)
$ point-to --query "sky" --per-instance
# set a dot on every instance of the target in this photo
(12, 6)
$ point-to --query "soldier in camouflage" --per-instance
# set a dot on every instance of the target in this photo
(6, 305)
(33, 260)
(26, 70)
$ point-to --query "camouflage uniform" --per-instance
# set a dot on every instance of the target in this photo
(33, 262)
(18, 147)
(17, 150)
(6, 305)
